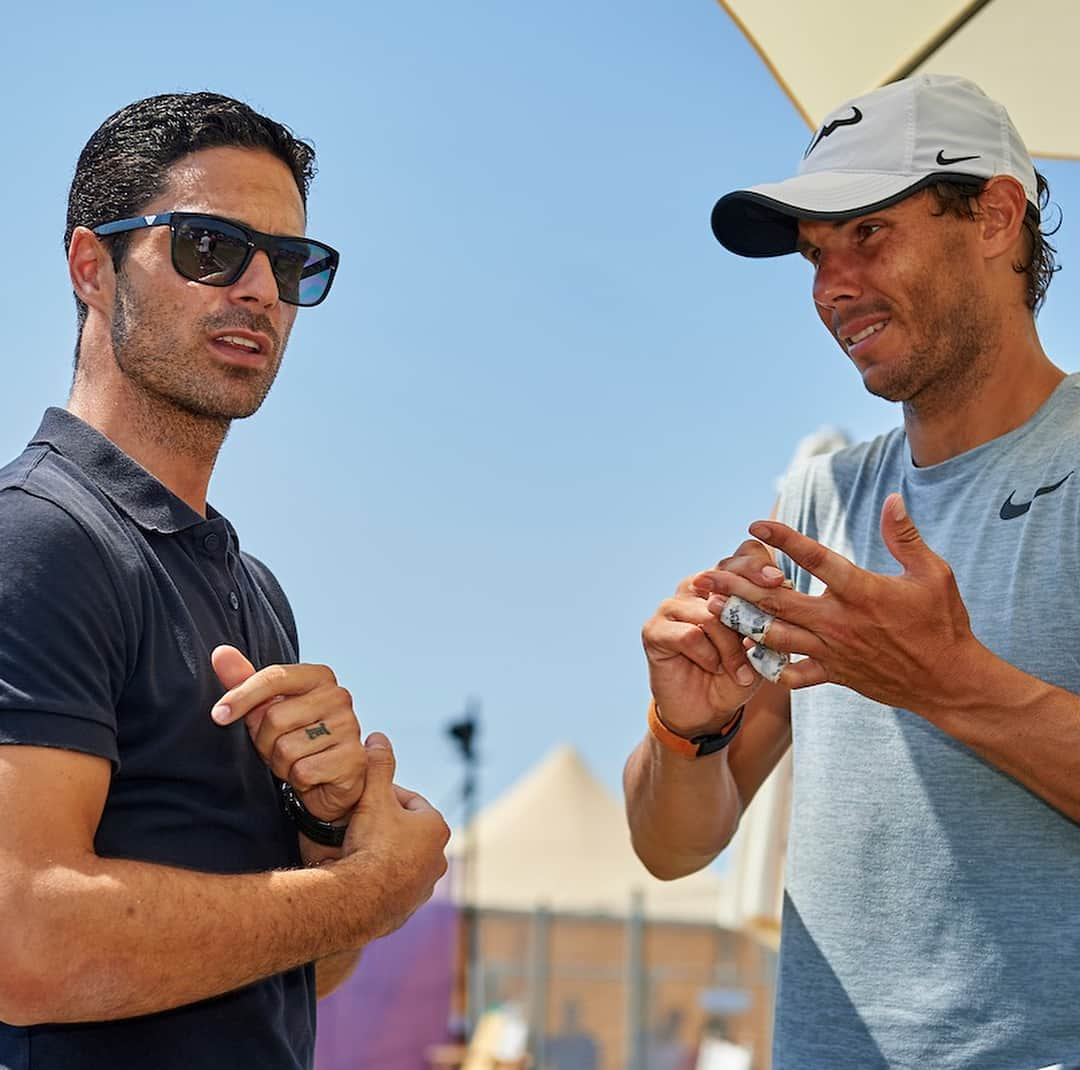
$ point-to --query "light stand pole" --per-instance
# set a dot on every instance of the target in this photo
(464, 733)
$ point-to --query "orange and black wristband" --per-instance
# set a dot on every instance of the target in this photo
(697, 746)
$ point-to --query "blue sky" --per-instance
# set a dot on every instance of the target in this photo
(503, 438)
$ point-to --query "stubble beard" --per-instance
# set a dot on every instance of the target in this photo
(187, 400)
(949, 360)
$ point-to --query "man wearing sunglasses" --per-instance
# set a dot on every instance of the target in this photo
(196, 841)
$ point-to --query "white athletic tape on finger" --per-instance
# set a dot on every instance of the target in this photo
(746, 619)
(770, 663)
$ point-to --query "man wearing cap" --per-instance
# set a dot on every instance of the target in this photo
(924, 586)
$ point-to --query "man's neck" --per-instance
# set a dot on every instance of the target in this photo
(1000, 395)
(176, 447)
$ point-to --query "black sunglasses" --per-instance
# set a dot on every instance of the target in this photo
(216, 252)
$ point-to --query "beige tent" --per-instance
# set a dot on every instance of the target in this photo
(1021, 52)
(559, 839)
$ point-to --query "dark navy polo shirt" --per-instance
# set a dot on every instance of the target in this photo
(113, 593)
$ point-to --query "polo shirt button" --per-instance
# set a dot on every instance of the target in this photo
(234, 600)
(211, 542)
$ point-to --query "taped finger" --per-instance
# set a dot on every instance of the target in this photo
(745, 618)
(748, 620)
(767, 662)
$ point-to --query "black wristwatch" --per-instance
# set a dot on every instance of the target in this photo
(318, 831)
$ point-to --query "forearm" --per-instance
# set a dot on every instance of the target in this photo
(100, 939)
(1022, 725)
(333, 971)
(682, 811)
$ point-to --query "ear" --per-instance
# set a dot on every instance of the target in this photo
(1002, 205)
(91, 270)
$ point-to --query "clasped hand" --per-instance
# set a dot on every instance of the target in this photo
(302, 724)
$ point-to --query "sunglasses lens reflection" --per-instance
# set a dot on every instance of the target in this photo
(209, 251)
(215, 252)
(310, 271)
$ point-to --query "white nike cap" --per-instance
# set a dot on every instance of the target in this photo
(876, 150)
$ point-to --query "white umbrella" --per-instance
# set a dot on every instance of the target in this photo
(1022, 53)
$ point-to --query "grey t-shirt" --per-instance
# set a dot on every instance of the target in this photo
(932, 908)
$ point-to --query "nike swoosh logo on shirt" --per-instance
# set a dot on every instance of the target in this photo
(1010, 509)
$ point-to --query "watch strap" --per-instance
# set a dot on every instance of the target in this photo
(321, 832)
(696, 746)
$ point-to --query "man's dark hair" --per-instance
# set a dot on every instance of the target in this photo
(126, 162)
(960, 198)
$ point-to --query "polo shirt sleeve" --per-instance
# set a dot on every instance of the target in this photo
(63, 624)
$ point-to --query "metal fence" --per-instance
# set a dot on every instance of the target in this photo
(601, 993)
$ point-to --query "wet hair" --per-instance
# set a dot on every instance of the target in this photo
(960, 197)
(126, 163)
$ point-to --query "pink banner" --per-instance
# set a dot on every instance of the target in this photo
(397, 1003)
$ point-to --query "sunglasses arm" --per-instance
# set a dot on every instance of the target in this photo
(119, 226)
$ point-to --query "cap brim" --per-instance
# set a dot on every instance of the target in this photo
(763, 220)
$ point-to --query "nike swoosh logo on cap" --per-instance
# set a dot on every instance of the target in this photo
(948, 161)
(1010, 509)
(828, 128)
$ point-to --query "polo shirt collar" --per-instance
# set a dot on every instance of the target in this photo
(121, 479)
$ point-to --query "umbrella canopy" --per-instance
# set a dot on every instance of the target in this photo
(1020, 52)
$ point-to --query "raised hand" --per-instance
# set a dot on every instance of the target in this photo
(899, 640)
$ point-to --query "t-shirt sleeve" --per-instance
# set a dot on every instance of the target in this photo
(63, 629)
